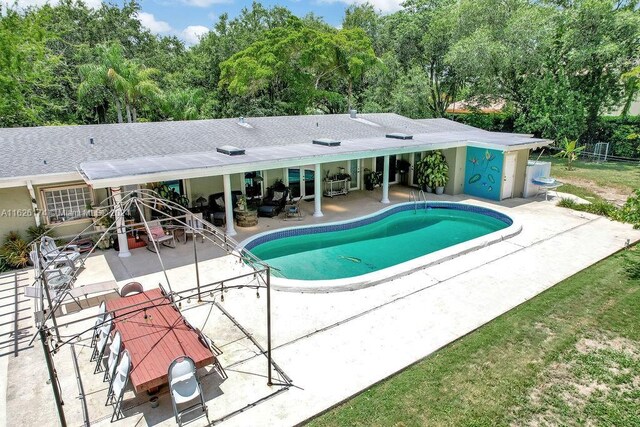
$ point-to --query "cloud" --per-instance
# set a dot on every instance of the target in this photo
(385, 6)
(192, 34)
(204, 3)
(152, 24)
(23, 4)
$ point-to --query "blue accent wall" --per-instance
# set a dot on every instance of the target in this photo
(483, 173)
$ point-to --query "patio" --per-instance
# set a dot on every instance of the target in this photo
(331, 345)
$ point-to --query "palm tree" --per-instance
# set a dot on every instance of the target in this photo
(107, 73)
(139, 85)
(183, 104)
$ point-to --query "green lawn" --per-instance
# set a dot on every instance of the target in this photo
(570, 356)
(622, 176)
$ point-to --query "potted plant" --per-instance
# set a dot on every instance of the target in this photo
(433, 172)
(372, 179)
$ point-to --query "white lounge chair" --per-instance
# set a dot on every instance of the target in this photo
(58, 280)
(118, 384)
(114, 353)
(184, 387)
(53, 254)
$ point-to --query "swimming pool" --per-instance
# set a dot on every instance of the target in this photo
(397, 240)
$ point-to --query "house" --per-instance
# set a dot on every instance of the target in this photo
(52, 174)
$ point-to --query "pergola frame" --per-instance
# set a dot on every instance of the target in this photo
(115, 206)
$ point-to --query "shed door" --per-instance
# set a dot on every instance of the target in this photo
(509, 178)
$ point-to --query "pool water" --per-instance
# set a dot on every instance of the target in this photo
(397, 238)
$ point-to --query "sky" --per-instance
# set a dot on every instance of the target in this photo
(189, 19)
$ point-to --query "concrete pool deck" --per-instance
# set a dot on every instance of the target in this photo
(331, 345)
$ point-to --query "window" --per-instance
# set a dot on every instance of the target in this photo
(253, 184)
(67, 203)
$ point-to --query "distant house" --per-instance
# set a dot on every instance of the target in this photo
(51, 174)
(465, 106)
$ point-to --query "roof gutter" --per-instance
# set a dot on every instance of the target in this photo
(51, 178)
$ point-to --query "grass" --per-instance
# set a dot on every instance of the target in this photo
(583, 193)
(623, 176)
(570, 356)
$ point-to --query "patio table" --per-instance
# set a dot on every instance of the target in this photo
(155, 333)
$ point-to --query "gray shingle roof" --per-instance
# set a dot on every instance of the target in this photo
(60, 149)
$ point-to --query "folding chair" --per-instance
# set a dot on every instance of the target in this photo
(118, 384)
(184, 387)
(114, 353)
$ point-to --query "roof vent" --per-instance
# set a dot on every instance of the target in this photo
(91, 141)
(230, 150)
(243, 123)
(398, 135)
(327, 142)
(353, 113)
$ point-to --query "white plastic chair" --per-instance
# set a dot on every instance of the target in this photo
(112, 360)
(195, 226)
(184, 387)
(52, 253)
(48, 268)
(102, 310)
(101, 345)
(118, 384)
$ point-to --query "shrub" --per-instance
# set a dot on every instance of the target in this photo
(15, 250)
(495, 122)
(630, 212)
(632, 265)
(600, 207)
(566, 202)
(36, 231)
(3, 265)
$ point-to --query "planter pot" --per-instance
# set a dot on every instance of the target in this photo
(439, 190)
(428, 189)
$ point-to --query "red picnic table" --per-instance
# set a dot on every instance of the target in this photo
(156, 340)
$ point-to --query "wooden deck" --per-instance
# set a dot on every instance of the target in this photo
(154, 337)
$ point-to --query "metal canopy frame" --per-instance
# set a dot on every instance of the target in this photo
(167, 212)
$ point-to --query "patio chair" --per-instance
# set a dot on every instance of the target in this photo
(102, 311)
(131, 288)
(272, 205)
(119, 382)
(112, 360)
(195, 226)
(101, 344)
(157, 235)
(57, 279)
(184, 387)
(292, 210)
(217, 208)
(53, 254)
(208, 343)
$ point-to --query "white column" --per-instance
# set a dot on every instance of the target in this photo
(123, 244)
(385, 181)
(228, 205)
(34, 204)
(317, 190)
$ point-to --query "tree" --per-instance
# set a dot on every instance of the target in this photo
(28, 81)
(570, 151)
(183, 104)
(107, 75)
(298, 64)
(140, 86)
